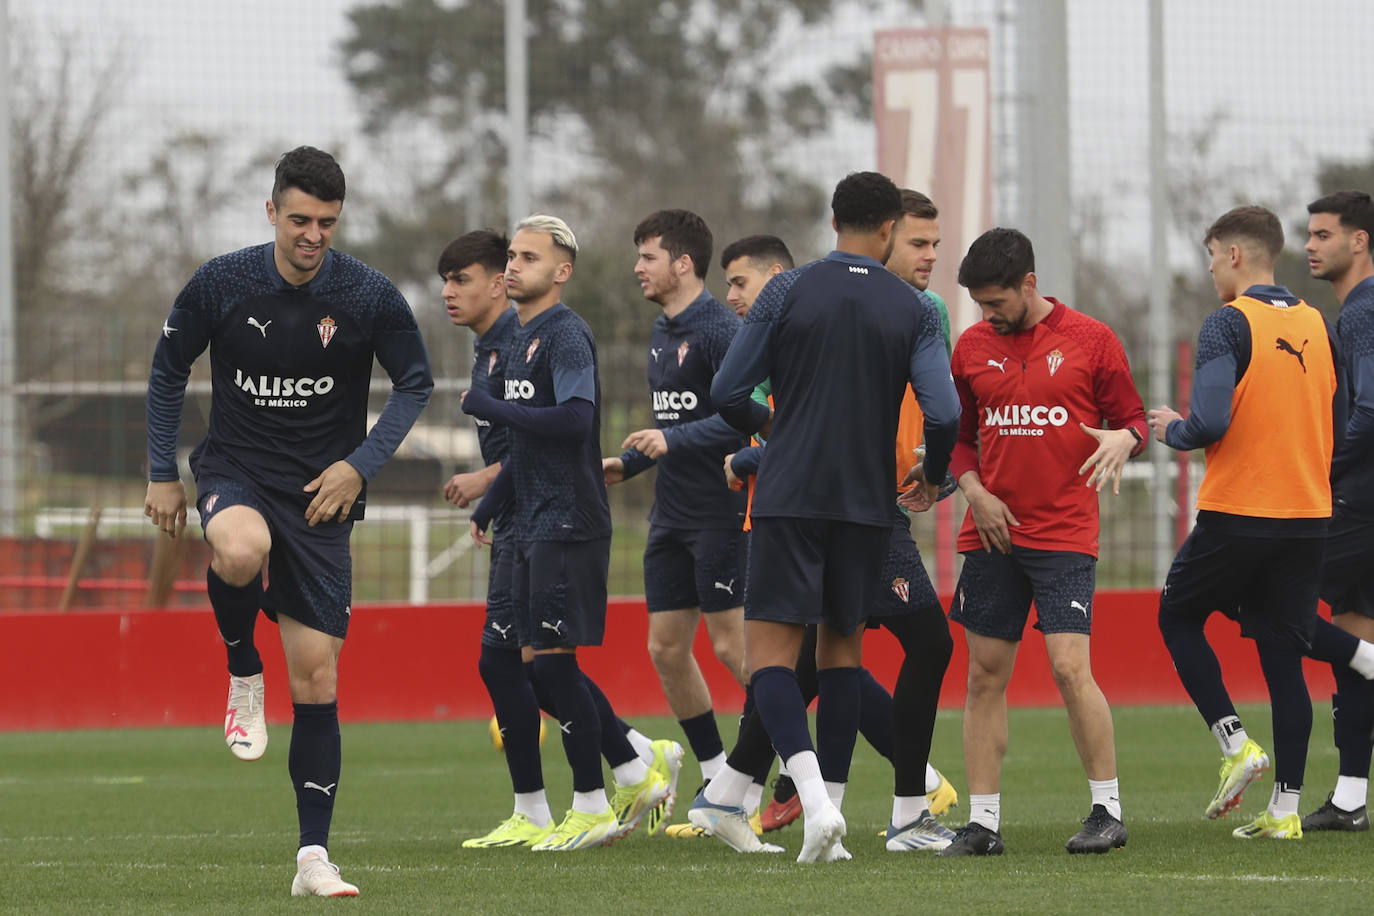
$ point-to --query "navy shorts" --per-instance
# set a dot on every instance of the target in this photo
(500, 629)
(309, 570)
(804, 570)
(1348, 566)
(694, 569)
(904, 586)
(558, 591)
(1269, 584)
(995, 591)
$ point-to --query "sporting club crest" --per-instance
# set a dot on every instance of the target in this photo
(682, 352)
(326, 327)
(491, 362)
(210, 502)
(534, 345)
(1055, 359)
(902, 589)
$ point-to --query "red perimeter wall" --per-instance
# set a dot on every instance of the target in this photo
(130, 668)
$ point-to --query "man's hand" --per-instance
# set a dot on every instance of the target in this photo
(1159, 419)
(335, 490)
(1114, 447)
(165, 504)
(731, 480)
(465, 489)
(990, 516)
(650, 442)
(479, 536)
(613, 469)
(922, 494)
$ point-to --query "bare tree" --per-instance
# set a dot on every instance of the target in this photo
(59, 105)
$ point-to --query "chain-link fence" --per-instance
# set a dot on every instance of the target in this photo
(141, 137)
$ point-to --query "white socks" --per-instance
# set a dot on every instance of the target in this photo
(1352, 793)
(806, 773)
(1363, 659)
(535, 806)
(629, 772)
(642, 745)
(906, 809)
(1285, 799)
(728, 787)
(986, 810)
(593, 802)
(752, 797)
(709, 768)
(1230, 735)
(1105, 792)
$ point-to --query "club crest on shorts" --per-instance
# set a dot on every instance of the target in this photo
(534, 345)
(326, 327)
(682, 352)
(491, 362)
(1055, 359)
(902, 589)
(210, 502)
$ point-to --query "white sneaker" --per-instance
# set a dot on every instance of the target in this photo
(823, 832)
(245, 721)
(836, 853)
(728, 824)
(924, 833)
(316, 876)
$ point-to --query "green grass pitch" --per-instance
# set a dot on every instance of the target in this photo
(167, 821)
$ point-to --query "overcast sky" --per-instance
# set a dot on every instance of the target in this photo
(1290, 78)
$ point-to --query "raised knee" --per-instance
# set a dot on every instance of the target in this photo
(239, 562)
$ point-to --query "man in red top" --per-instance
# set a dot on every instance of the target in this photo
(1036, 381)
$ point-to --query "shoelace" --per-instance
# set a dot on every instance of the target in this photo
(240, 691)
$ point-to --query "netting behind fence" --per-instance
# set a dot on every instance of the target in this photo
(142, 137)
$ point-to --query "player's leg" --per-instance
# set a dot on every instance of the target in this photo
(503, 671)
(309, 595)
(630, 754)
(671, 637)
(1280, 614)
(568, 611)
(785, 806)
(315, 757)
(718, 563)
(240, 541)
(927, 646)
(990, 663)
(1211, 572)
(906, 604)
(1348, 587)
(991, 602)
(671, 595)
(852, 562)
(1063, 584)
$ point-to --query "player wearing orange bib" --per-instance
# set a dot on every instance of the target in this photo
(1267, 405)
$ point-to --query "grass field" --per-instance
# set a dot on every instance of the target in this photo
(166, 821)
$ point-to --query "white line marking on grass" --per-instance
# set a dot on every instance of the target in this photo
(1266, 879)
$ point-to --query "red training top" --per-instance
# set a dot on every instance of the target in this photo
(1023, 396)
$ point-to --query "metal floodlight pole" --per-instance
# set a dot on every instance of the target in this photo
(1042, 141)
(1161, 326)
(10, 440)
(517, 113)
